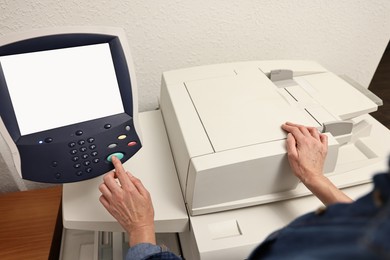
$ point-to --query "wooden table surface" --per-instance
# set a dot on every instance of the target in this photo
(31, 224)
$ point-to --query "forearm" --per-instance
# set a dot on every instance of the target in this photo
(325, 190)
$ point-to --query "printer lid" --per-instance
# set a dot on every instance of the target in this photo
(245, 109)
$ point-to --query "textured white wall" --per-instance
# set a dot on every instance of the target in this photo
(346, 36)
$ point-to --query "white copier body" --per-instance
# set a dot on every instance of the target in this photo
(216, 149)
(224, 123)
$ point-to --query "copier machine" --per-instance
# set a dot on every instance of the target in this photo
(214, 156)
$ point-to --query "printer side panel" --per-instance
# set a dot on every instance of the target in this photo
(186, 135)
(175, 137)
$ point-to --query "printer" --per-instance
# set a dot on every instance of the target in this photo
(224, 125)
(214, 156)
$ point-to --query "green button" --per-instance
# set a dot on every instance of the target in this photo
(117, 155)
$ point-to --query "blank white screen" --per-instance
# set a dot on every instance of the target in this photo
(55, 88)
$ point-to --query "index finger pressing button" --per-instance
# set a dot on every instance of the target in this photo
(117, 155)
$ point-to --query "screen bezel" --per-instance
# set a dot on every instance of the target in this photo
(60, 41)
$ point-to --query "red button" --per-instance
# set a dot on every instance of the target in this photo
(132, 143)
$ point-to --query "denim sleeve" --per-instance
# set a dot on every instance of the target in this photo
(358, 230)
(142, 251)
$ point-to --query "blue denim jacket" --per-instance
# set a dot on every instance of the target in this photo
(146, 251)
(359, 230)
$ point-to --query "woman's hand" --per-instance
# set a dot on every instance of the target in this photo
(128, 201)
(307, 150)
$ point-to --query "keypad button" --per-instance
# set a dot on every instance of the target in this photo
(54, 163)
(85, 148)
(58, 175)
(128, 128)
(48, 140)
(132, 143)
(107, 126)
(117, 155)
(121, 137)
(112, 145)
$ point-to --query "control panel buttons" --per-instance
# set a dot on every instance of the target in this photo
(113, 145)
(118, 155)
(79, 132)
(132, 143)
(121, 137)
(77, 165)
(81, 150)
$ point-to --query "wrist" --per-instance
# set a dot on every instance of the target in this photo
(311, 178)
(314, 180)
(144, 234)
